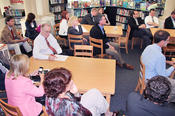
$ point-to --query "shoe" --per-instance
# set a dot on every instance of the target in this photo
(118, 64)
(128, 66)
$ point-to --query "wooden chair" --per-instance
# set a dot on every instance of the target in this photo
(83, 50)
(98, 43)
(136, 39)
(75, 39)
(123, 41)
(44, 112)
(10, 110)
(62, 41)
(170, 48)
(141, 80)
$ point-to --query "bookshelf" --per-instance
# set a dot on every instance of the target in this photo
(17, 14)
(56, 6)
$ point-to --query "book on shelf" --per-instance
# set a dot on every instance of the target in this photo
(56, 1)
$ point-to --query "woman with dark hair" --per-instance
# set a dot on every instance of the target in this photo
(61, 97)
(31, 27)
(64, 24)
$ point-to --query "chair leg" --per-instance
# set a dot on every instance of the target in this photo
(138, 86)
(141, 44)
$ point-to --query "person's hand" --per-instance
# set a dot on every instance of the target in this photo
(34, 73)
(142, 26)
(41, 77)
(52, 57)
(111, 47)
(73, 88)
(84, 39)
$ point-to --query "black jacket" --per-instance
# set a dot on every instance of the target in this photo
(88, 20)
(73, 31)
(168, 23)
(30, 31)
(96, 32)
(132, 24)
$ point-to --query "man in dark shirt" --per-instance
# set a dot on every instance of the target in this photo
(111, 48)
(138, 28)
(153, 102)
(89, 18)
(170, 21)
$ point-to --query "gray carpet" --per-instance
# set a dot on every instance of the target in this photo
(126, 80)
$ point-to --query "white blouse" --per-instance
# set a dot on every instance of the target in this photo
(63, 27)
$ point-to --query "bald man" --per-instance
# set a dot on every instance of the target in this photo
(45, 44)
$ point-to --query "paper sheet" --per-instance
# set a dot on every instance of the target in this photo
(61, 57)
(84, 30)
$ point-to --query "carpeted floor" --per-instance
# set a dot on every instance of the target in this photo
(126, 80)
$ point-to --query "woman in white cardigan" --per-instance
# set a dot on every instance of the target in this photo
(64, 24)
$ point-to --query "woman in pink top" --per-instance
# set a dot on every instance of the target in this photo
(20, 90)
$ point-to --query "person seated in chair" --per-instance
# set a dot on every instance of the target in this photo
(13, 40)
(170, 21)
(31, 27)
(75, 29)
(153, 102)
(45, 44)
(89, 18)
(151, 21)
(111, 48)
(138, 28)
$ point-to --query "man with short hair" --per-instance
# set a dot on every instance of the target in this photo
(151, 21)
(154, 60)
(45, 44)
(153, 102)
(111, 48)
(138, 28)
(89, 18)
(170, 21)
(13, 40)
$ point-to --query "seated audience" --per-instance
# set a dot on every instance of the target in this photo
(155, 61)
(153, 102)
(101, 11)
(170, 21)
(138, 28)
(89, 18)
(4, 67)
(111, 48)
(45, 44)
(13, 40)
(151, 21)
(31, 27)
(64, 24)
(21, 92)
(75, 28)
(62, 97)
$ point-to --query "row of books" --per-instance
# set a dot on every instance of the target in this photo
(58, 17)
(17, 21)
(14, 12)
(80, 13)
(57, 8)
(56, 1)
(121, 19)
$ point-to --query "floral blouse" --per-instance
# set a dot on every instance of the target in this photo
(65, 107)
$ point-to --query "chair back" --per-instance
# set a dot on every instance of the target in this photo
(56, 29)
(75, 39)
(141, 81)
(10, 110)
(83, 50)
(98, 43)
(44, 112)
(128, 31)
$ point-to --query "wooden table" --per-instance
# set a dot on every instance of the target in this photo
(111, 31)
(171, 31)
(87, 73)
